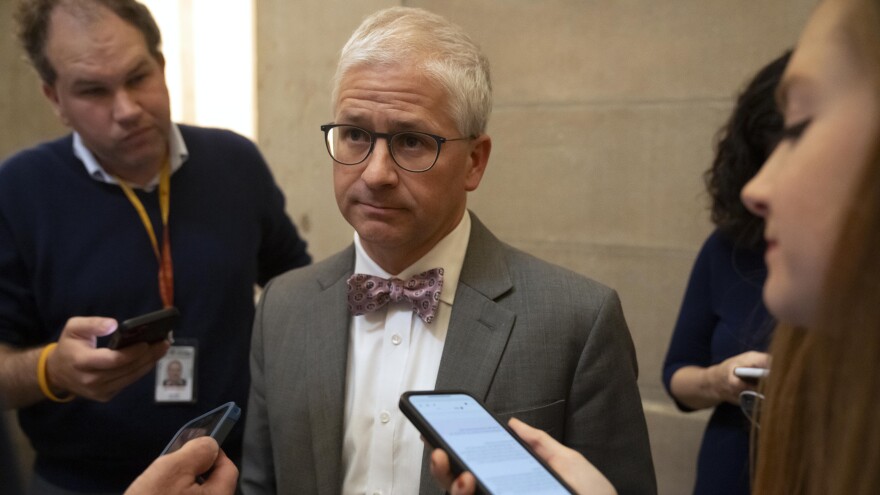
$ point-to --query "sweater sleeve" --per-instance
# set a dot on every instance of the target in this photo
(281, 247)
(691, 343)
(232, 157)
(18, 313)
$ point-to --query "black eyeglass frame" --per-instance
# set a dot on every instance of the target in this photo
(388, 136)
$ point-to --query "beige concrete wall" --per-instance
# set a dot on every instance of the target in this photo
(25, 116)
(604, 117)
(603, 123)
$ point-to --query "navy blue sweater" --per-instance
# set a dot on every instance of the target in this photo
(722, 315)
(73, 246)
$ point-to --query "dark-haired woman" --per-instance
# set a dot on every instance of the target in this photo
(722, 323)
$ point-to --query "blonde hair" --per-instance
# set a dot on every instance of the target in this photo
(402, 36)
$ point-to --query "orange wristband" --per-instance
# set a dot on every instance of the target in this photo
(42, 375)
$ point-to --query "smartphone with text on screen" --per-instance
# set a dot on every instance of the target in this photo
(477, 442)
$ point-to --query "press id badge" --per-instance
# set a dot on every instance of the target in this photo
(176, 374)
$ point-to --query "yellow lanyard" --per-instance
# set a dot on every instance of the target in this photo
(166, 267)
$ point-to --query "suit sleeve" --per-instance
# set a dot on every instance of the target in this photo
(258, 466)
(605, 420)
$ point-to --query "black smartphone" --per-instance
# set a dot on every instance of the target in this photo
(476, 441)
(215, 423)
(151, 327)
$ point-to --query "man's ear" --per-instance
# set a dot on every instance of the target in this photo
(481, 147)
(52, 95)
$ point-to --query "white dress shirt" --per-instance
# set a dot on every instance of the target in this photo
(177, 153)
(391, 351)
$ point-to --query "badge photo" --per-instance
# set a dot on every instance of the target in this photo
(175, 375)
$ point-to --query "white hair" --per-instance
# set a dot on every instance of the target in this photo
(400, 36)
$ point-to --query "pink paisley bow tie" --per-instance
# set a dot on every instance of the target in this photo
(367, 293)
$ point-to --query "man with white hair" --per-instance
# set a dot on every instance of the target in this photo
(426, 297)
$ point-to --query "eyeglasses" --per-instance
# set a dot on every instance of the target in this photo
(750, 403)
(411, 151)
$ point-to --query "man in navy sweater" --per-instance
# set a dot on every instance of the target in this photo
(128, 214)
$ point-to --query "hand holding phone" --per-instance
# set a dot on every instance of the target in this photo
(215, 423)
(751, 374)
(476, 441)
(149, 328)
(181, 472)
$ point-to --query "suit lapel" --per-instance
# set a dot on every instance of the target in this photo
(327, 354)
(478, 333)
(478, 328)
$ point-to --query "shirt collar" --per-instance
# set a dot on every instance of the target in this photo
(448, 253)
(178, 155)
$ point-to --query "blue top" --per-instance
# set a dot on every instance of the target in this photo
(74, 246)
(722, 315)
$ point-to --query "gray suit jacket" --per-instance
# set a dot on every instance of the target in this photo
(530, 339)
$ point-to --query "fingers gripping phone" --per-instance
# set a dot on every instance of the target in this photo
(477, 442)
(748, 372)
(751, 375)
(215, 423)
(151, 327)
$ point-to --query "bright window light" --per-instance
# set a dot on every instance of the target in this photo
(209, 61)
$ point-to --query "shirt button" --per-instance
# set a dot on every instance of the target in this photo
(384, 417)
(396, 340)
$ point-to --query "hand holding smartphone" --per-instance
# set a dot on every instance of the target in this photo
(476, 441)
(749, 373)
(215, 423)
(149, 328)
